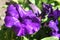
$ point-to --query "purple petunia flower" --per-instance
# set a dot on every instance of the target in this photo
(56, 13)
(47, 8)
(54, 28)
(21, 21)
(56, 34)
(53, 14)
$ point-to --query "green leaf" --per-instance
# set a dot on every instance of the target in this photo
(4, 6)
(50, 38)
(26, 8)
(59, 19)
(46, 18)
(32, 1)
(45, 1)
(21, 1)
(15, 1)
(25, 38)
(58, 1)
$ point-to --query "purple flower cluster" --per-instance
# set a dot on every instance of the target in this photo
(53, 15)
(21, 21)
(27, 22)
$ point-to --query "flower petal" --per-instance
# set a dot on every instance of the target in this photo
(47, 8)
(32, 25)
(56, 35)
(53, 26)
(12, 11)
(10, 21)
(25, 23)
(36, 10)
(56, 13)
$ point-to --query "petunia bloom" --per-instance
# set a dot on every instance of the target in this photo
(54, 28)
(54, 14)
(21, 21)
(56, 34)
(47, 8)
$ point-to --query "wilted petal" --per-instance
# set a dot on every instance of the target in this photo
(47, 8)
